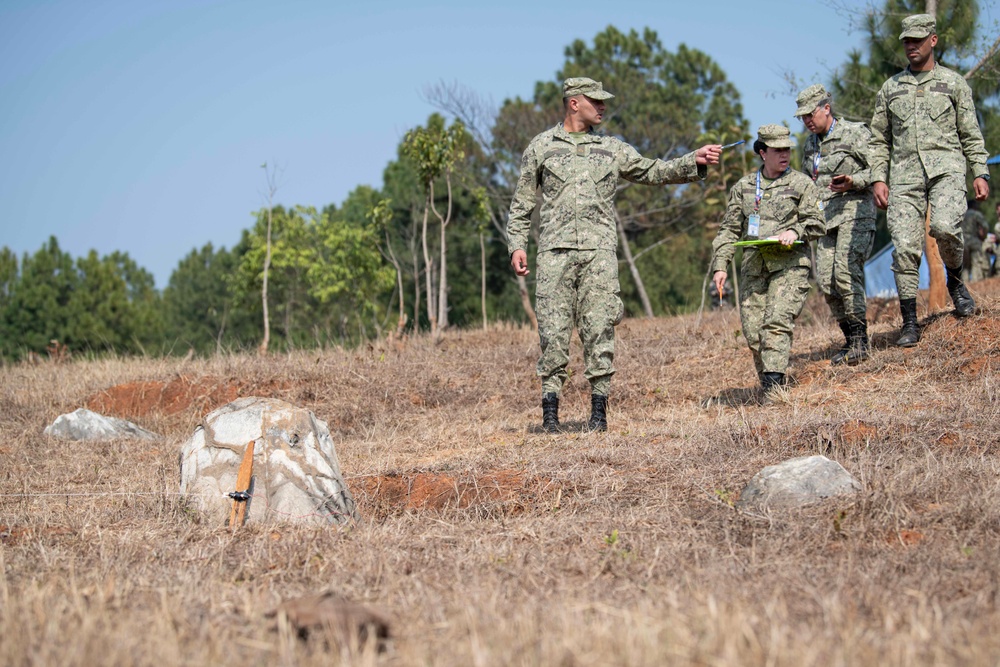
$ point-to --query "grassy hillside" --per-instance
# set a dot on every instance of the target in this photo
(488, 542)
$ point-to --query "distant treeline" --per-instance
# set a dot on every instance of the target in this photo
(427, 251)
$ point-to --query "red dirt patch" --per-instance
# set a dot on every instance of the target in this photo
(14, 534)
(949, 439)
(856, 432)
(906, 538)
(393, 492)
(140, 399)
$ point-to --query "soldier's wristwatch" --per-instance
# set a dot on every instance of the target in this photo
(985, 177)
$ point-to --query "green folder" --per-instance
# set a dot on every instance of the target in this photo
(761, 242)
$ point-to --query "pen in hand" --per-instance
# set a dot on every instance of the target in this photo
(735, 143)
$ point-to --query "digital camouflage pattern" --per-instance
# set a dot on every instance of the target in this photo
(581, 85)
(843, 150)
(774, 281)
(924, 130)
(906, 220)
(974, 230)
(810, 99)
(840, 269)
(775, 136)
(769, 304)
(850, 216)
(577, 288)
(925, 126)
(791, 201)
(918, 26)
(577, 178)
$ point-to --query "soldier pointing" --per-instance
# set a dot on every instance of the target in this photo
(573, 173)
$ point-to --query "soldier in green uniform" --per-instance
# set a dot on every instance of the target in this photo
(975, 231)
(924, 130)
(784, 206)
(573, 173)
(835, 157)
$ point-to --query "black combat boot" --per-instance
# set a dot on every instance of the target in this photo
(770, 380)
(910, 333)
(859, 342)
(840, 356)
(598, 413)
(964, 305)
(550, 412)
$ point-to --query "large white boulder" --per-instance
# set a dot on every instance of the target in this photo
(296, 473)
(83, 424)
(796, 483)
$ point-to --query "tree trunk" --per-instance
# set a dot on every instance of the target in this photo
(428, 271)
(416, 283)
(522, 284)
(482, 279)
(442, 302)
(401, 322)
(443, 283)
(627, 251)
(529, 310)
(262, 350)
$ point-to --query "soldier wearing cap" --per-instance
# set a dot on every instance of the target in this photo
(835, 157)
(975, 232)
(924, 130)
(783, 206)
(572, 172)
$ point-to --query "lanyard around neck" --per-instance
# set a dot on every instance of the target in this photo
(819, 150)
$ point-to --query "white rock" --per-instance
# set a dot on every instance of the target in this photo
(797, 482)
(83, 424)
(297, 475)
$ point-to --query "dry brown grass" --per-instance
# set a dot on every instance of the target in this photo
(490, 543)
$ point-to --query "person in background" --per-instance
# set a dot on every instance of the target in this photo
(924, 130)
(992, 243)
(975, 231)
(835, 157)
(784, 206)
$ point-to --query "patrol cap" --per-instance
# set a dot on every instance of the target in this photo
(774, 136)
(581, 85)
(918, 26)
(810, 98)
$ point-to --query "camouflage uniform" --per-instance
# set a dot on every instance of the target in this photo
(774, 281)
(974, 230)
(850, 216)
(923, 131)
(577, 178)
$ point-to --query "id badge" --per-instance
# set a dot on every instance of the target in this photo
(753, 225)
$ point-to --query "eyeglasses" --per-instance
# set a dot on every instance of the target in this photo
(819, 107)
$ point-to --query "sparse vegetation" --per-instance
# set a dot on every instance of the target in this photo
(488, 542)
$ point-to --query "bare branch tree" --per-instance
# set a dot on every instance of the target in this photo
(271, 179)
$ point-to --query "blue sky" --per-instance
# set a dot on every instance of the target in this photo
(141, 126)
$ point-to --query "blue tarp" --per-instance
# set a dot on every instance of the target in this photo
(994, 160)
(880, 281)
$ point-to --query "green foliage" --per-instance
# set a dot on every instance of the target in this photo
(199, 308)
(93, 304)
(327, 280)
(435, 150)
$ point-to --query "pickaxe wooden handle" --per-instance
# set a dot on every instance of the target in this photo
(238, 513)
